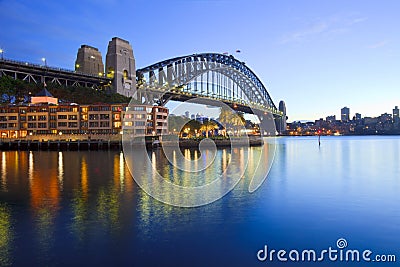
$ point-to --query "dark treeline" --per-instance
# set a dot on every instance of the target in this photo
(18, 91)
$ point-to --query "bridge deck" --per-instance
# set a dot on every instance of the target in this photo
(41, 73)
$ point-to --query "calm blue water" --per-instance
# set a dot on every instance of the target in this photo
(83, 208)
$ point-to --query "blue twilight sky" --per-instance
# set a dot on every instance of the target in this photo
(318, 56)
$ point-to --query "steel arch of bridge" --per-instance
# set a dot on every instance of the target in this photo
(224, 71)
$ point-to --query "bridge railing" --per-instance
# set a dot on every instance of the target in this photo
(33, 65)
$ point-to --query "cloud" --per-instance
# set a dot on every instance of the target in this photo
(328, 26)
(357, 20)
(379, 44)
(314, 29)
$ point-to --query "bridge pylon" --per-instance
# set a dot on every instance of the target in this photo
(120, 66)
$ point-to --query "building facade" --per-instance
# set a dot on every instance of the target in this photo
(331, 118)
(396, 115)
(345, 114)
(281, 125)
(146, 120)
(47, 119)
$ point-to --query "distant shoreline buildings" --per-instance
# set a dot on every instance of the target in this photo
(385, 124)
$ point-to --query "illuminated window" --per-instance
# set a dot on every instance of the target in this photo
(110, 72)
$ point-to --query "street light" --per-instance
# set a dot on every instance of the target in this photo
(44, 61)
(1, 52)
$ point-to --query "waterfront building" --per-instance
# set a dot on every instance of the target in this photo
(396, 115)
(331, 118)
(146, 120)
(47, 118)
(320, 123)
(345, 114)
(385, 118)
(44, 96)
(89, 61)
(281, 124)
(370, 121)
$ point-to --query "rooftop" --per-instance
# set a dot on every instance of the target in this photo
(44, 92)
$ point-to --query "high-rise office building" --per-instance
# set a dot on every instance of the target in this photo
(281, 125)
(396, 115)
(345, 114)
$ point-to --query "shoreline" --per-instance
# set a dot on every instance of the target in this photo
(325, 135)
(100, 144)
(63, 145)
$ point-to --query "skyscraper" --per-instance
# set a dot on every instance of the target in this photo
(396, 115)
(345, 114)
(282, 121)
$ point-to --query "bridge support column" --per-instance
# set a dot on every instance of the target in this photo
(120, 65)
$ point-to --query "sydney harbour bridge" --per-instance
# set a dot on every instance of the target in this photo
(210, 76)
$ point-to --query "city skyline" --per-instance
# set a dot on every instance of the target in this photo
(179, 108)
(315, 58)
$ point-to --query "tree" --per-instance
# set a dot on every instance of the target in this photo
(7, 89)
(21, 90)
(231, 119)
(208, 126)
(175, 123)
(189, 128)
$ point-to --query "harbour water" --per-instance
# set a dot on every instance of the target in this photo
(82, 208)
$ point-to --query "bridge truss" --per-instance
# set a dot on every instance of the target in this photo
(208, 75)
(44, 74)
